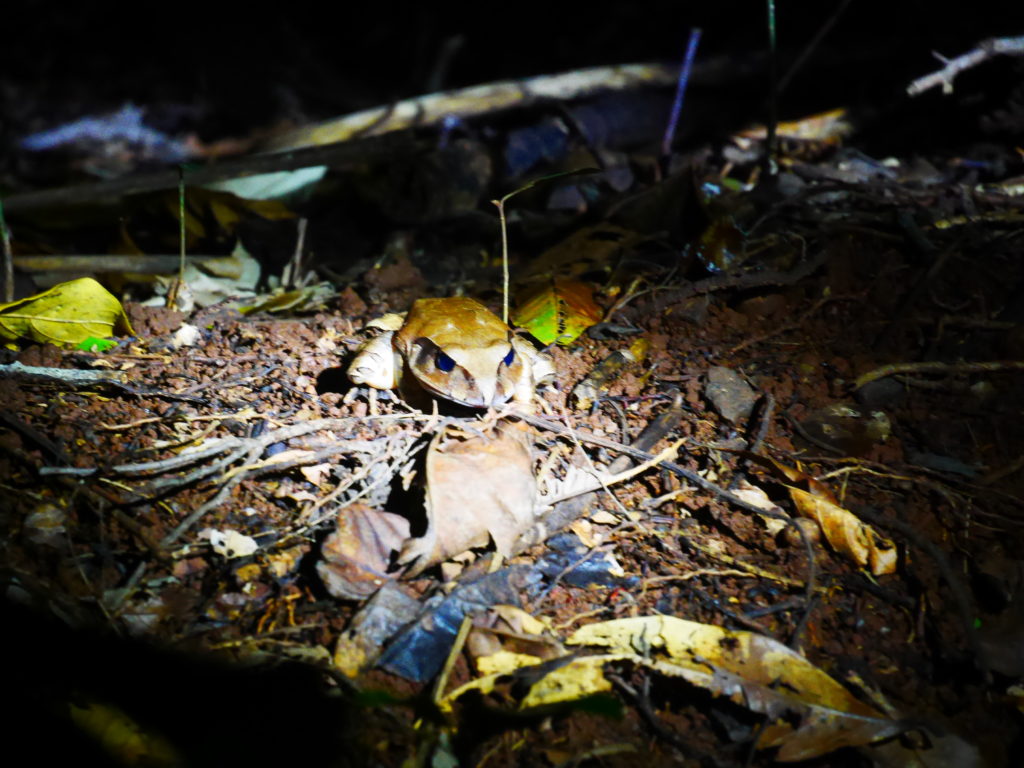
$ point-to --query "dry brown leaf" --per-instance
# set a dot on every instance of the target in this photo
(479, 487)
(430, 109)
(796, 475)
(846, 534)
(844, 531)
(828, 127)
(215, 280)
(757, 497)
(358, 552)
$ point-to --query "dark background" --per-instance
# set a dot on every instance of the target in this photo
(233, 66)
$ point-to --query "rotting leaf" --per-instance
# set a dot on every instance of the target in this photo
(373, 626)
(69, 313)
(756, 671)
(607, 371)
(721, 247)
(752, 670)
(308, 297)
(463, 512)
(589, 249)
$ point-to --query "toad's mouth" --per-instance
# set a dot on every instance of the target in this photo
(459, 387)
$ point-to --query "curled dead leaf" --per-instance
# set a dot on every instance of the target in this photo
(357, 554)
(846, 534)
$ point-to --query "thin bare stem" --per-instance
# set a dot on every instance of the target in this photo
(504, 256)
(773, 94)
(8, 258)
(681, 83)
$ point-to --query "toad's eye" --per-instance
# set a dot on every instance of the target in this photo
(507, 360)
(444, 363)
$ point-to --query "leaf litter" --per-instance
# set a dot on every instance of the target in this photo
(192, 505)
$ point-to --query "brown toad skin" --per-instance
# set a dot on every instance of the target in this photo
(457, 349)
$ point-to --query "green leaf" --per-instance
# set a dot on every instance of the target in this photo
(92, 344)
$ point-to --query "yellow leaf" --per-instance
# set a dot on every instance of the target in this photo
(483, 684)
(227, 215)
(580, 678)
(809, 713)
(68, 313)
(505, 662)
(122, 737)
(753, 670)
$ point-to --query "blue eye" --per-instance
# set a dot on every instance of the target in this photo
(509, 357)
(444, 363)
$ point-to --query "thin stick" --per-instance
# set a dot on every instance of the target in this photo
(812, 46)
(681, 83)
(504, 224)
(8, 259)
(773, 94)
(176, 289)
(953, 67)
(504, 255)
(181, 221)
(932, 366)
(453, 656)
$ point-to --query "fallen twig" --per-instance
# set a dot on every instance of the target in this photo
(895, 369)
(987, 49)
(67, 376)
(335, 155)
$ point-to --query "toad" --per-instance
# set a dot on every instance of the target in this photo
(453, 348)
